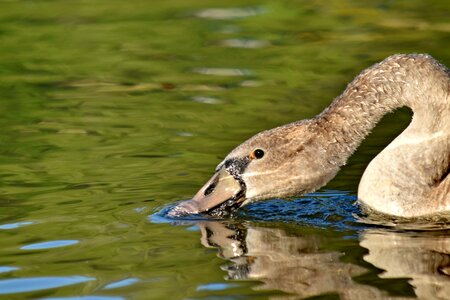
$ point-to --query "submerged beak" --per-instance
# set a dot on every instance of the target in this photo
(221, 193)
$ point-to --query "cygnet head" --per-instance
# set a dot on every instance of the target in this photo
(282, 162)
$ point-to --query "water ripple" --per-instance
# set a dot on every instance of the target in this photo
(15, 225)
(245, 43)
(21, 285)
(48, 245)
(206, 100)
(86, 298)
(121, 283)
(216, 286)
(326, 208)
(5, 269)
(229, 13)
(223, 71)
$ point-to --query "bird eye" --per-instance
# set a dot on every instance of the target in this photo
(258, 153)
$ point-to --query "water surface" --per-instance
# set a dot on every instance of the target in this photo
(111, 111)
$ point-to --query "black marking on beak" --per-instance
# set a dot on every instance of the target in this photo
(210, 188)
(221, 195)
(235, 167)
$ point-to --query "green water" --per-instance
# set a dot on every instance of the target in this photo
(112, 110)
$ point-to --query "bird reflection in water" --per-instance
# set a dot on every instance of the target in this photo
(299, 264)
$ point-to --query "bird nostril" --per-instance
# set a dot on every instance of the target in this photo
(210, 188)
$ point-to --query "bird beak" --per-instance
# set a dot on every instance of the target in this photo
(223, 192)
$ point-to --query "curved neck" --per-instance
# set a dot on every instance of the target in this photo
(403, 176)
(417, 81)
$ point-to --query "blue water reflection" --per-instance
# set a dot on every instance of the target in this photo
(15, 225)
(218, 286)
(51, 244)
(21, 285)
(86, 298)
(6, 269)
(121, 283)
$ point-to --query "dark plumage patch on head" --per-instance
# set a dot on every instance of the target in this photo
(236, 166)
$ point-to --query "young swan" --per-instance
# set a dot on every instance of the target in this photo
(409, 178)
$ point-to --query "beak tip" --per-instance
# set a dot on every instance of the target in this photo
(182, 209)
(216, 193)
